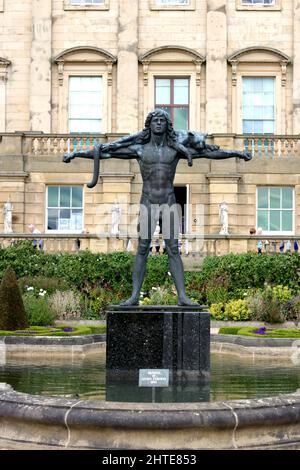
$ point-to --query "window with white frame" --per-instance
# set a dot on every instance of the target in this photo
(65, 208)
(85, 104)
(258, 105)
(258, 2)
(172, 95)
(258, 5)
(172, 2)
(275, 209)
(86, 2)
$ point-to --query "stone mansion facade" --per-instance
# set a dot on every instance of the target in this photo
(76, 72)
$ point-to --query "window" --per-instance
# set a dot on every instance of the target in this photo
(258, 5)
(275, 209)
(85, 104)
(172, 4)
(258, 105)
(172, 95)
(258, 2)
(65, 208)
(86, 4)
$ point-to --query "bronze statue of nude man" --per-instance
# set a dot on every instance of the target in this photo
(158, 149)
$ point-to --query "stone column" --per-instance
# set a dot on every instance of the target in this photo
(216, 67)
(40, 69)
(296, 68)
(127, 79)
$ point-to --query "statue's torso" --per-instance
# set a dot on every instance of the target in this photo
(158, 166)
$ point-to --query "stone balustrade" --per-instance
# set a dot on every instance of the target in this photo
(271, 146)
(28, 143)
(191, 247)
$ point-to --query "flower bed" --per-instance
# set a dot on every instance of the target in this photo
(260, 332)
(56, 331)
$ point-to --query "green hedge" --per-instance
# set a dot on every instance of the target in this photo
(239, 273)
(220, 276)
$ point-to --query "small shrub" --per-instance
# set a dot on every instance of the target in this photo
(291, 309)
(65, 305)
(38, 311)
(12, 311)
(281, 293)
(270, 305)
(256, 303)
(217, 311)
(48, 284)
(237, 310)
(96, 300)
(216, 290)
(229, 330)
(160, 296)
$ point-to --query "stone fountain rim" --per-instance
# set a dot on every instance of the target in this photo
(271, 422)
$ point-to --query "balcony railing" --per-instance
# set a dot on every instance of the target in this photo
(58, 145)
(191, 248)
(271, 146)
(39, 144)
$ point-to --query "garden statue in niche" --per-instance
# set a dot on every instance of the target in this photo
(7, 214)
(158, 149)
(115, 218)
(223, 214)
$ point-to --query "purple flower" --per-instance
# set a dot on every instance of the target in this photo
(67, 330)
(261, 331)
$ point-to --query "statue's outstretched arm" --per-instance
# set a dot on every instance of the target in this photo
(220, 154)
(102, 152)
(126, 153)
(99, 152)
(121, 143)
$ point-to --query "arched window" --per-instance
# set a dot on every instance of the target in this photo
(258, 78)
(172, 80)
(84, 96)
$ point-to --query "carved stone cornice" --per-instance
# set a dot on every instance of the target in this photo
(69, 56)
(241, 56)
(153, 56)
(228, 177)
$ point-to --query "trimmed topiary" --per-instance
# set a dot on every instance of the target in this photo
(12, 311)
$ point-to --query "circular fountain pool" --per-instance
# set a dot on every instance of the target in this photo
(232, 378)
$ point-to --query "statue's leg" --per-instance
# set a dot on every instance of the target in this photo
(177, 271)
(139, 269)
(146, 229)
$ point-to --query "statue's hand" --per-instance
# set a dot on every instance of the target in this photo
(68, 157)
(111, 147)
(212, 147)
(246, 156)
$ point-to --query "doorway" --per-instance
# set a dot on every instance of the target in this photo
(181, 199)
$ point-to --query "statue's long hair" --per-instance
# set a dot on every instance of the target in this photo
(171, 136)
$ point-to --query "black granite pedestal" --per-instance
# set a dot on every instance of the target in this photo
(157, 337)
